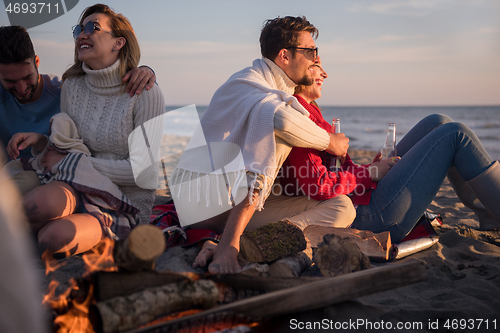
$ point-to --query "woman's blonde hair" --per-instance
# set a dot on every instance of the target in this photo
(299, 89)
(129, 54)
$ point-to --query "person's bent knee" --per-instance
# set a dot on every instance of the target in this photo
(341, 206)
(458, 128)
(38, 208)
(45, 203)
(33, 206)
(349, 210)
(70, 236)
(438, 119)
(53, 241)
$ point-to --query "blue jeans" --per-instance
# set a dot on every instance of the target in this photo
(427, 152)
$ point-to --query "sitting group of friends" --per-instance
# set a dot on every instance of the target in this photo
(263, 125)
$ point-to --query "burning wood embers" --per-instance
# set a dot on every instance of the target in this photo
(121, 291)
(117, 296)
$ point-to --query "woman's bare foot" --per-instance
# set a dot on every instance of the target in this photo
(206, 254)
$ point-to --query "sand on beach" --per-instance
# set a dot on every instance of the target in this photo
(463, 284)
(463, 268)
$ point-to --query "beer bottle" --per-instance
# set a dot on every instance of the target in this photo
(336, 160)
(389, 148)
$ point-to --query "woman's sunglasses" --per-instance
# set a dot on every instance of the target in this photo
(89, 28)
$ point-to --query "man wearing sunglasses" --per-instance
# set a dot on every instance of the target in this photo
(28, 99)
(249, 127)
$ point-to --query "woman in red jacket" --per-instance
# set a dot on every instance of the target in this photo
(392, 194)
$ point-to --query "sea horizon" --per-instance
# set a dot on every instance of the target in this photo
(366, 125)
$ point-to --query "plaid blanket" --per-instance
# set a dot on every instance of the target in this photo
(100, 196)
(165, 217)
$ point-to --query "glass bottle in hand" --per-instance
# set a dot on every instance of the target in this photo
(389, 148)
(336, 160)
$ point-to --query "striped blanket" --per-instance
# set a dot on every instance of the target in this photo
(100, 196)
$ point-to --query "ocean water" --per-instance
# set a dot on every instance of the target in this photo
(366, 126)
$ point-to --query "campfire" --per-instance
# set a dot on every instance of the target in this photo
(121, 292)
(71, 307)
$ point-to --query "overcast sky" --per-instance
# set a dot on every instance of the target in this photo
(378, 52)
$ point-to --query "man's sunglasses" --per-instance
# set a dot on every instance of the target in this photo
(89, 28)
(313, 51)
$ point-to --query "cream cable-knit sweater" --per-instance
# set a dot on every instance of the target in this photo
(105, 115)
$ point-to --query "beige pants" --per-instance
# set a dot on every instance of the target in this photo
(302, 211)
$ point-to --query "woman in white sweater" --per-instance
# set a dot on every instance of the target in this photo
(94, 96)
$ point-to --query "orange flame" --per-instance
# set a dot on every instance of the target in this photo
(76, 320)
(74, 314)
(51, 265)
(101, 257)
(57, 303)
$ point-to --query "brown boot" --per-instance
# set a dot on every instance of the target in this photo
(486, 186)
(469, 199)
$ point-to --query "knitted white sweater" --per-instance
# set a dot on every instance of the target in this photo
(105, 115)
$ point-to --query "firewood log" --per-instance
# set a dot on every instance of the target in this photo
(113, 284)
(124, 313)
(339, 255)
(255, 269)
(290, 266)
(271, 242)
(377, 247)
(140, 249)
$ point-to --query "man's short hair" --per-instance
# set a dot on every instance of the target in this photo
(283, 32)
(16, 45)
